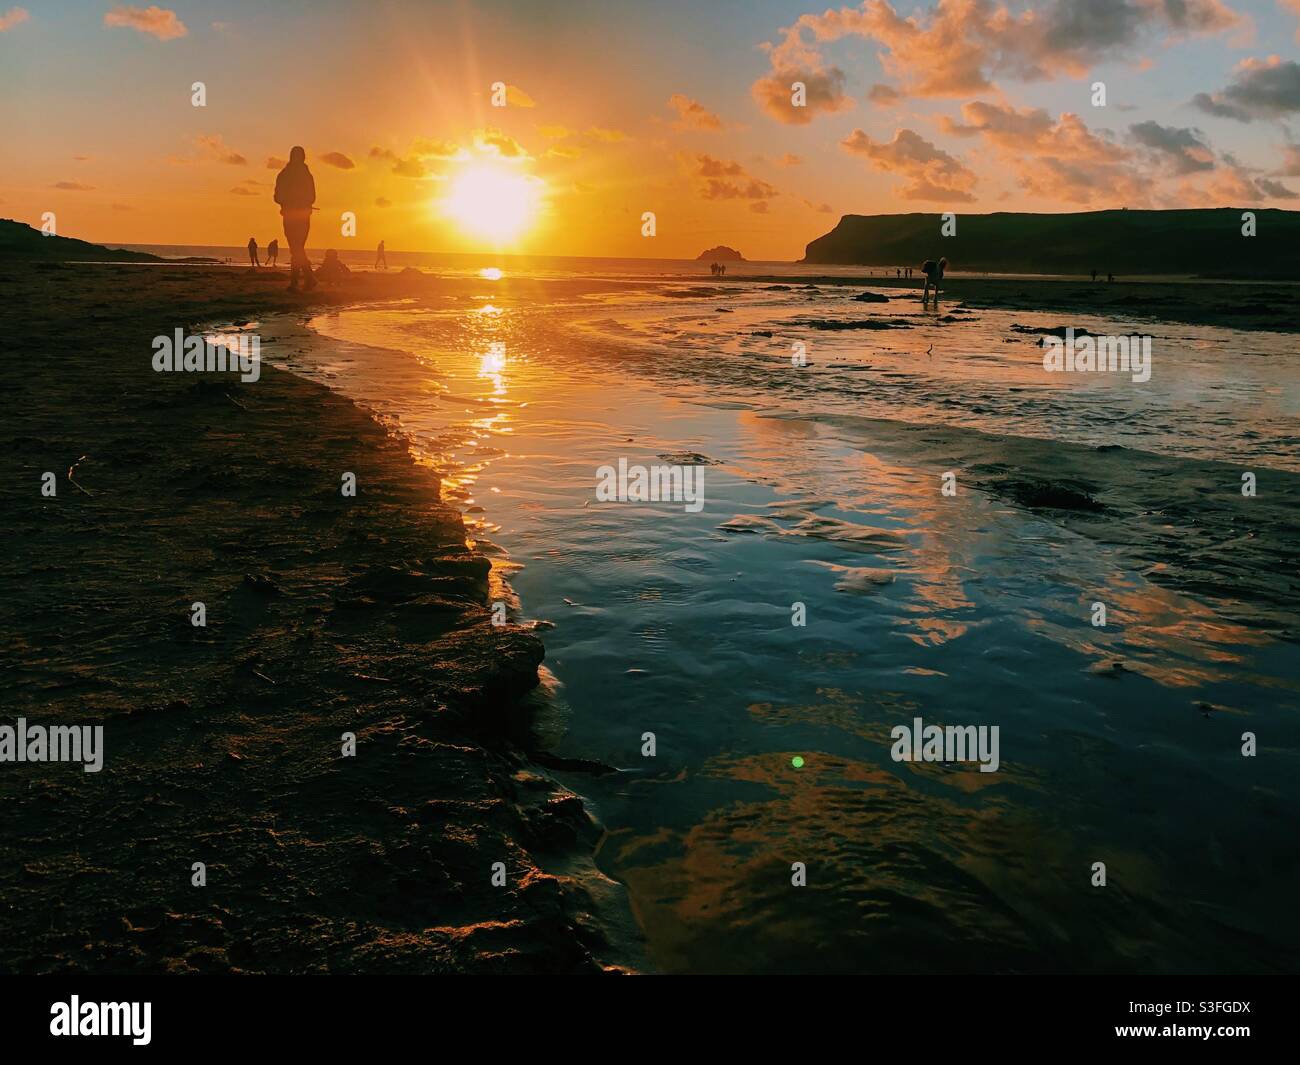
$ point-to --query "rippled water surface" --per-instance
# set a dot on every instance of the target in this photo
(956, 610)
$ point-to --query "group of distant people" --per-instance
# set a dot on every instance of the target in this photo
(272, 252)
(295, 192)
(718, 269)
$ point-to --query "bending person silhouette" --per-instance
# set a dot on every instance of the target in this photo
(272, 250)
(295, 192)
(933, 276)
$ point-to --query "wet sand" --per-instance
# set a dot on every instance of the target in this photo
(1123, 743)
(370, 615)
(326, 615)
(1272, 305)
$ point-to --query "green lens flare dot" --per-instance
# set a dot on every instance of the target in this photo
(797, 761)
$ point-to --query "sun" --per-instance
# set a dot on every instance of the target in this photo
(493, 202)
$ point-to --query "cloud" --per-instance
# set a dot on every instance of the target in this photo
(604, 136)
(241, 190)
(1233, 185)
(759, 207)
(1213, 105)
(883, 95)
(931, 173)
(1084, 182)
(410, 168)
(561, 151)
(337, 159)
(1183, 149)
(1290, 162)
(1062, 160)
(691, 114)
(1275, 190)
(590, 136)
(1059, 159)
(820, 208)
(414, 163)
(1262, 89)
(790, 159)
(274, 162)
(430, 148)
(72, 186)
(959, 46)
(1031, 129)
(499, 143)
(725, 179)
(213, 148)
(823, 93)
(13, 17)
(383, 201)
(155, 21)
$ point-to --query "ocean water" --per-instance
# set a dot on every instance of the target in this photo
(772, 739)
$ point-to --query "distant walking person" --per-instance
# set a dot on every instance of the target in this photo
(272, 252)
(252, 251)
(380, 257)
(1094, 275)
(295, 192)
(933, 276)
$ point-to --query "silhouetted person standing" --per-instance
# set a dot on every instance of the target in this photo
(380, 257)
(295, 192)
(252, 251)
(272, 253)
(1094, 275)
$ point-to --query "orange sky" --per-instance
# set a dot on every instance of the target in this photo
(619, 108)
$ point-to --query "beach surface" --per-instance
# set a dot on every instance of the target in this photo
(1122, 742)
(475, 411)
(326, 616)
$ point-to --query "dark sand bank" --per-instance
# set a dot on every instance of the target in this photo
(1267, 305)
(325, 615)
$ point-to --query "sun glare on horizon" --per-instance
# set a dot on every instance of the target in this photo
(493, 202)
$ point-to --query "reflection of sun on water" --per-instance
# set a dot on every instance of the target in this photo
(490, 273)
(492, 366)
